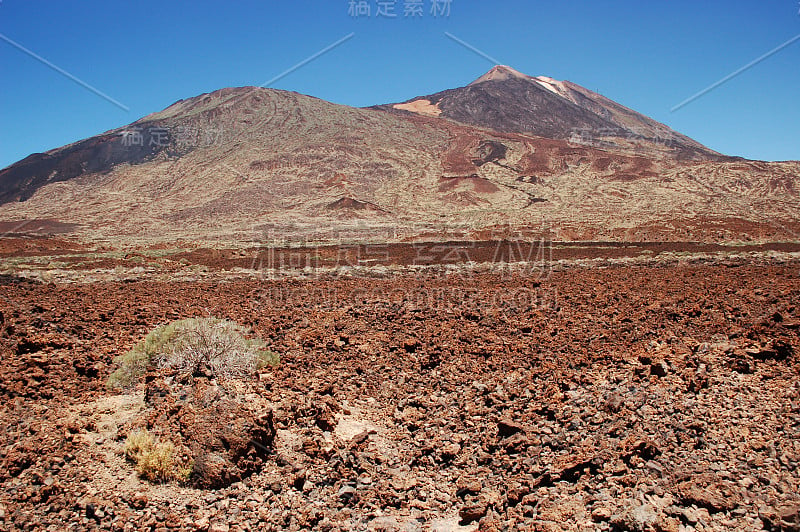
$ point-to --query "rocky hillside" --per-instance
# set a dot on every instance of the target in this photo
(506, 100)
(661, 398)
(238, 164)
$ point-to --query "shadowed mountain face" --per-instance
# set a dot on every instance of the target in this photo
(516, 106)
(20, 181)
(509, 101)
(249, 163)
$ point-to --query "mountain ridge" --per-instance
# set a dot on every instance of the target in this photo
(234, 163)
(507, 100)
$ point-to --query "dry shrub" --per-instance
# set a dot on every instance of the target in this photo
(209, 346)
(219, 348)
(155, 461)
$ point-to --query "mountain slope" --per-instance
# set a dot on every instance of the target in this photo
(249, 164)
(506, 100)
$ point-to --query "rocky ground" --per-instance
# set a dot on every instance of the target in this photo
(659, 398)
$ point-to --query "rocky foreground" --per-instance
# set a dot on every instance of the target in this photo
(636, 398)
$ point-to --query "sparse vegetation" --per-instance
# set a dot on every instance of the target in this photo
(196, 346)
(155, 461)
(137, 442)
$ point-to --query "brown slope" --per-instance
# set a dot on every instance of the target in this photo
(512, 105)
(244, 164)
(506, 100)
(99, 154)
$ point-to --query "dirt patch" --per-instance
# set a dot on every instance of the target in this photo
(36, 227)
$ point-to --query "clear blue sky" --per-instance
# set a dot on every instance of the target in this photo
(649, 55)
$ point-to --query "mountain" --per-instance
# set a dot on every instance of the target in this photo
(506, 100)
(252, 164)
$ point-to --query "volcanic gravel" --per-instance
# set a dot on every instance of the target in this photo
(630, 398)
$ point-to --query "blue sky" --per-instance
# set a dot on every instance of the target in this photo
(649, 55)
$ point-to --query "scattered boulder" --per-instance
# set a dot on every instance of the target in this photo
(507, 428)
(707, 491)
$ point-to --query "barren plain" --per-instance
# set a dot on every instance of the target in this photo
(601, 395)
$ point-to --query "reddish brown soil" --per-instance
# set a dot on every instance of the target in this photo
(590, 399)
(36, 227)
(37, 246)
(326, 258)
(452, 253)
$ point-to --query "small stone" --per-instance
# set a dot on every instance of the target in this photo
(614, 402)
(644, 515)
(450, 451)
(472, 512)
(299, 480)
(264, 514)
(655, 466)
(789, 517)
(138, 501)
(601, 514)
(360, 437)
(659, 369)
(173, 520)
(690, 515)
(346, 493)
(710, 498)
(468, 485)
(618, 468)
(507, 428)
(219, 527)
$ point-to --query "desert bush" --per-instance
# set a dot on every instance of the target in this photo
(138, 442)
(155, 461)
(135, 362)
(210, 346)
(216, 347)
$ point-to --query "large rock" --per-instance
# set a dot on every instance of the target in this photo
(709, 492)
(227, 439)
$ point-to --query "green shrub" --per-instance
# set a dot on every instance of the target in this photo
(135, 362)
(220, 348)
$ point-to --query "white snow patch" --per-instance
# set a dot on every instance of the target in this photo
(553, 85)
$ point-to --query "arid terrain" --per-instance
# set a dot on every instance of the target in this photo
(658, 396)
(514, 305)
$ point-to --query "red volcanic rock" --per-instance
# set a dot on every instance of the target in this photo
(507, 428)
(363, 419)
(353, 204)
(225, 438)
